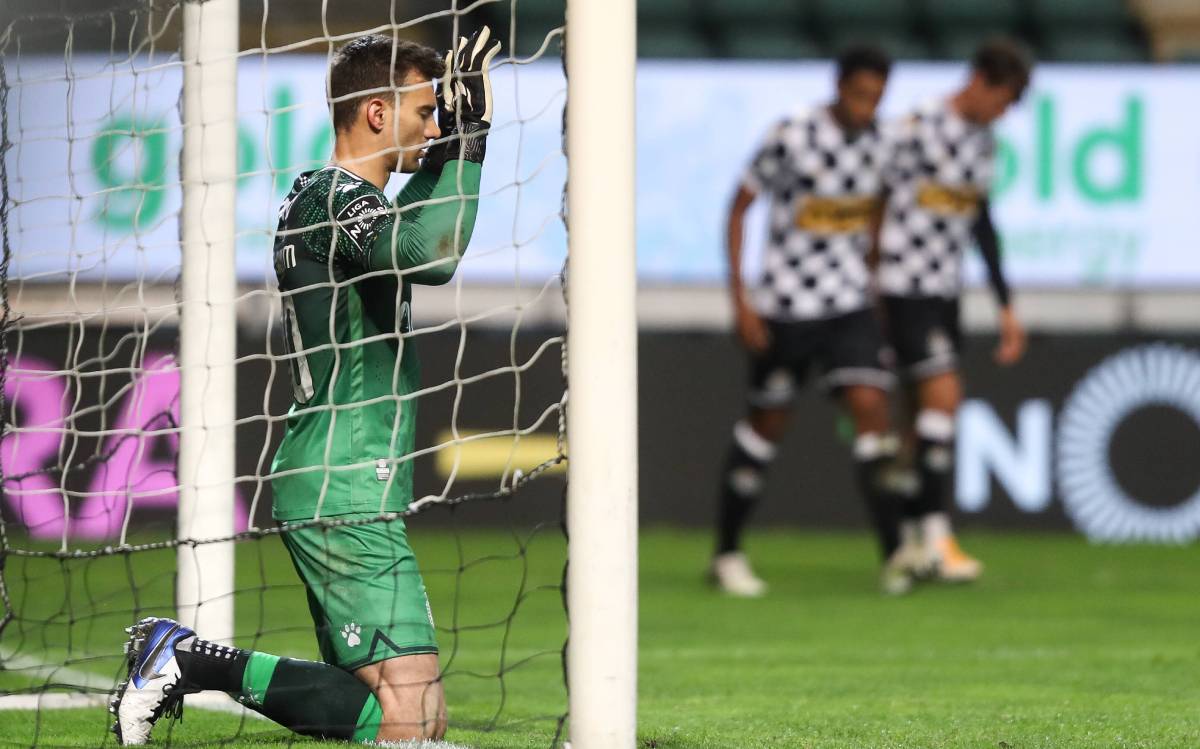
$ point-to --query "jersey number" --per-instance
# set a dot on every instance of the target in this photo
(302, 384)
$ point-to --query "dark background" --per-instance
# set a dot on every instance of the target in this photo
(691, 388)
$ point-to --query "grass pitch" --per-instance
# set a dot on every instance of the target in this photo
(1062, 644)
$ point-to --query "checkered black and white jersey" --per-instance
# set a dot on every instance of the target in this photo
(824, 185)
(939, 173)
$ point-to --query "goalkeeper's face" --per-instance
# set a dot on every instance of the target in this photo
(412, 123)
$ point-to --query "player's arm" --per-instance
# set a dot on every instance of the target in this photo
(417, 235)
(874, 255)
(874, 227)
(750, 328)
(1012, 334)
(416, 191)
(899, 147)
(438, 206)
(764, 168)
(429, 239)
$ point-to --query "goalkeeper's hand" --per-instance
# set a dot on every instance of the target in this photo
(464, 101)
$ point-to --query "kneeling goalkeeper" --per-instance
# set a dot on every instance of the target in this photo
(346, 262)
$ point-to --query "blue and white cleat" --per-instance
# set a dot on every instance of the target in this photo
(152, 686)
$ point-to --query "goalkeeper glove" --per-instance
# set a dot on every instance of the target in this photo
(464, 98)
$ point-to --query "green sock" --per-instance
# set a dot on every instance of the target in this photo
(310, 698)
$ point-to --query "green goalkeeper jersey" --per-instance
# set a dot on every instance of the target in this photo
(346, 261)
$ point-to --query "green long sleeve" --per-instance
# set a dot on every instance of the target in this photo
(426, 234)
(418, 188)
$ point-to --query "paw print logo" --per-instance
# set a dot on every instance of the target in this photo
(350, 633)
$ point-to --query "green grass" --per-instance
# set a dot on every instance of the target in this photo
(1063, 644)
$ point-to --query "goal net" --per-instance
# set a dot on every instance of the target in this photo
(146, 354)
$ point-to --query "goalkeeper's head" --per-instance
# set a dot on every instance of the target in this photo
(1000, 72)
(382, 96)
(862, 73)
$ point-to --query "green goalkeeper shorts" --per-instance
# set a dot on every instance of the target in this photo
(365, 593)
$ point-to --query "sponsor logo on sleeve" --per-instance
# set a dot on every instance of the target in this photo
(361, 218)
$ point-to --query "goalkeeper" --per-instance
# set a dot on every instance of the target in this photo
(346, 262)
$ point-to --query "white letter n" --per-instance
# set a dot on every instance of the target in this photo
(1021, 465)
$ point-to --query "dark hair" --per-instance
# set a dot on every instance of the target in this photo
(374, 62)
(1003, 62)
(863, 57)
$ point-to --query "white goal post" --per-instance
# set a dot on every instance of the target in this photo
(601, 375)
(208, 320)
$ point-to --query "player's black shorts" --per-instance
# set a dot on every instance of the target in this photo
(925, 334)
(847, 350)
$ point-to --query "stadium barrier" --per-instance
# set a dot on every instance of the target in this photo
(1099, 433)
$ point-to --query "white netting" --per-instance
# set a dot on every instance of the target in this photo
(92, 258)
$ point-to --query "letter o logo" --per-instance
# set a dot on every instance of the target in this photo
(1155, 374)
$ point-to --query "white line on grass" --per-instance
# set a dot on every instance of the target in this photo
(427, 744)
(36, 667)
(217, 701)
(28, 665)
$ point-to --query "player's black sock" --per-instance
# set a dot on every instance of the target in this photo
(911, 506)
(904, 481)
(310, 698)
(207, 665)
(742, 482)
(935, 460)
(873, 454)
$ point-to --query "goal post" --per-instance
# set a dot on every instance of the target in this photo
(602, 498)
(208, 322)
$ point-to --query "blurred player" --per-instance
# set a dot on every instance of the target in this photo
(938, 184)
(346, 261)
(822, 170)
